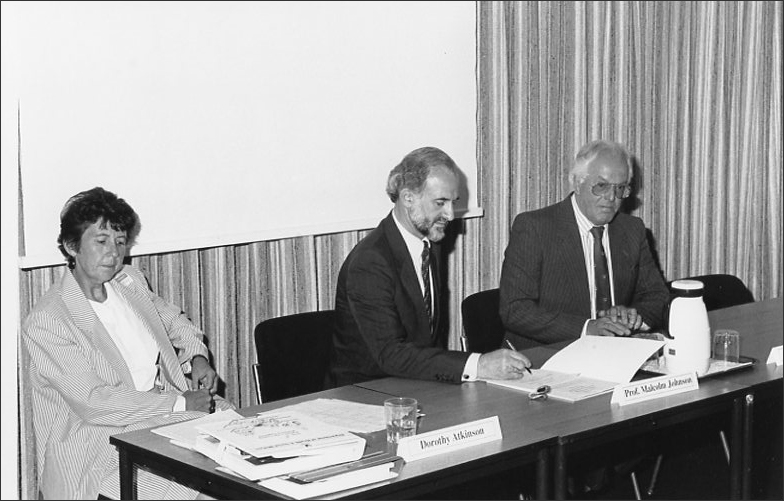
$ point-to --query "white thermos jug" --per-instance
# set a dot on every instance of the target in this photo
(689, 348)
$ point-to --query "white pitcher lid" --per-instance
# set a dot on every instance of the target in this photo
(688, 285)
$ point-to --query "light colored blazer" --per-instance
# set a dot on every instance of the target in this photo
(82, 390)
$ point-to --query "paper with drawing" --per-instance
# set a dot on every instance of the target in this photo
(279, 433)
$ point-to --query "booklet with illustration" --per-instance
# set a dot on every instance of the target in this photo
(185, 433)
(255, 468)
(279, 433)
(266, 444)
(590, 366)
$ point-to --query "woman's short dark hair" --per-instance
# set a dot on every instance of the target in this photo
(413, 170)
(91, 206)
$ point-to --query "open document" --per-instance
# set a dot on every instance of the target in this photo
(590, 366)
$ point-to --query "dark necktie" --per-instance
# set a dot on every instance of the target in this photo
(601, 274)
(426, 281)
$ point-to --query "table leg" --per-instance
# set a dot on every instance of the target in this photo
(127, 480)
(748, 431)
(560, 471)
(542, 473)
(736, 462)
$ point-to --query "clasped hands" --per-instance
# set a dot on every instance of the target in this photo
(204, 385)
(615, 321)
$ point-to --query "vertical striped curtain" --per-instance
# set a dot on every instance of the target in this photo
(693, 89)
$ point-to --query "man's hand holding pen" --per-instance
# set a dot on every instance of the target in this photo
(503, 364)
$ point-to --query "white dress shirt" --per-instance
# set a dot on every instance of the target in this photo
(585, 225)
(132, 339)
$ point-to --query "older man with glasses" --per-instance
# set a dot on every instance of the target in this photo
(579, 267)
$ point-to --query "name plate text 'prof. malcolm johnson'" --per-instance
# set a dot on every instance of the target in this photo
(658, 387)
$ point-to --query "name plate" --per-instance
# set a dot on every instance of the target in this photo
(775, 356)
(657, 387)
(449, 439)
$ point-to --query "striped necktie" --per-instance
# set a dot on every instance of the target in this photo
(601, 274)
(426, 281)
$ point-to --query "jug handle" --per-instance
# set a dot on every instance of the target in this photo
(666, 324)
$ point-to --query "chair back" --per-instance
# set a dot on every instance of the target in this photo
(293, 354)
(484, 330)
(722, 291)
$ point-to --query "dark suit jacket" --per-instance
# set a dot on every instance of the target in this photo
(544, 285)
(382, 328)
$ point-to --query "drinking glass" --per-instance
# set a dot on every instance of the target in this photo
(401, 418)
(726, 346)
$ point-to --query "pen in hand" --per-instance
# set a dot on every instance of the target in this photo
(511, 347)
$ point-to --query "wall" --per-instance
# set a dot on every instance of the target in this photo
(241, 116)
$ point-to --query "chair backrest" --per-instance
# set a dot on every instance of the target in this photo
(293, 354)
(484, 331)
(722, 291)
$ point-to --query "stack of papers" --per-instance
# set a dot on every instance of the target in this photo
(267, 444)
(276, 443)
(338, 483)
(590, 366)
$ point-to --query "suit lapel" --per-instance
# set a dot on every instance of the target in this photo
(143, 308)
(571, 248)
(405, 267)
(87, 321)
(620, 255)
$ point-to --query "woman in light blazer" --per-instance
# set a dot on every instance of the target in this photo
(107, 355)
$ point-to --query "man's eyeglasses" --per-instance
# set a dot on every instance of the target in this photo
(602, 189)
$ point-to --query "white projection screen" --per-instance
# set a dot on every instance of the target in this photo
(232, 122)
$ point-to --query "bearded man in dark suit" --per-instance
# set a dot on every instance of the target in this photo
(389, 301)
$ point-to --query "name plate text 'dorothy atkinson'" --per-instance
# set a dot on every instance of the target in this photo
(449, 439)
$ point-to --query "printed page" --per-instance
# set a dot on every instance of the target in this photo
(278, 433)
(567, 387)
(580, 388)
(185, 433)
(364, 418)
(538, 377)
(605, 358)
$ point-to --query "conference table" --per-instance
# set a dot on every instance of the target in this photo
(544, 433)
(521, 445)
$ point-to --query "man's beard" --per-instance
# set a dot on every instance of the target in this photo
(426, 226)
